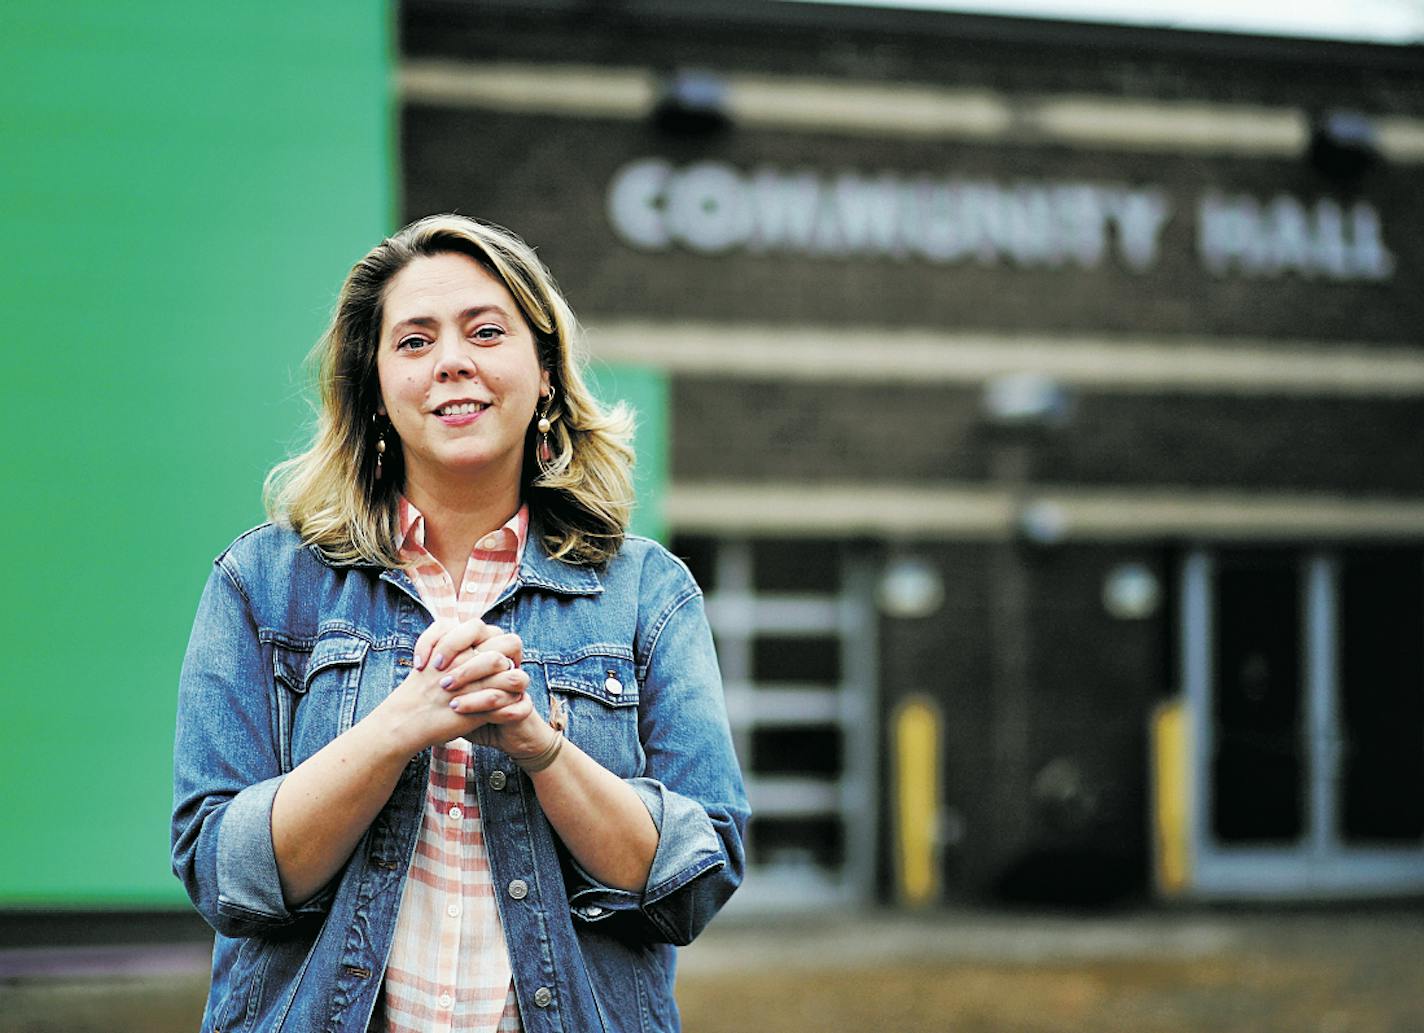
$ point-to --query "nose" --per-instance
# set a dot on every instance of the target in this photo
(454, 359)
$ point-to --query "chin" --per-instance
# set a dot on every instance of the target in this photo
(473, 465)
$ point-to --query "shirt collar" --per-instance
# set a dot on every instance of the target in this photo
(536, 566)
(511, 536)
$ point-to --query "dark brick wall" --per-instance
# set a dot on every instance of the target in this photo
(547, 179)
(1071, 824)
(942, 656)
(776, 432)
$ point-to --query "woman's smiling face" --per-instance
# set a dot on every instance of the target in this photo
(459, 372)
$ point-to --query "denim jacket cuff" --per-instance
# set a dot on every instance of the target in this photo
(687, 848)
(248, 884)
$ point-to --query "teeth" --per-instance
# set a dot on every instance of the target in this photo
(463, 409)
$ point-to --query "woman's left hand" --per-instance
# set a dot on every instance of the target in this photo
(514, 727)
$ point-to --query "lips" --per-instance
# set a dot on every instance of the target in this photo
(461, 408)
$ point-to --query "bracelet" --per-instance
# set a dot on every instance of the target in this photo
(541, 760)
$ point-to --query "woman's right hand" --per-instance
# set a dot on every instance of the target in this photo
(469, 660)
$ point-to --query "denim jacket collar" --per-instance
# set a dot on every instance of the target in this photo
(536, 568)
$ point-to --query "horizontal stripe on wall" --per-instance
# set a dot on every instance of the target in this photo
(1149, 365)
(1069, 514)
(883, 109)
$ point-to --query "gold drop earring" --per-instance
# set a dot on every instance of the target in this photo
(545, 450)
(380, 444)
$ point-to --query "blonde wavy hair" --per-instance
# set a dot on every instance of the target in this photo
(581, 498)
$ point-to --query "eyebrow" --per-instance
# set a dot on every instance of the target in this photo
(430, 322)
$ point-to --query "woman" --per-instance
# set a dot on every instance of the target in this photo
(451, 748)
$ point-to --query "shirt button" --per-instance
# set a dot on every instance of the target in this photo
(446, 1000)
(519, 889)
(543, 996)
(614, 686)
(593, 911)
(456, 812)
(497, 779)
(453, 910)
(489, 542)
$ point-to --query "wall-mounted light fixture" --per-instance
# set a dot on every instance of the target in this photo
(692, 102)
(1131, 592)
(1042, 522)
(909, 587)
(1026, 400)
(1343, 144)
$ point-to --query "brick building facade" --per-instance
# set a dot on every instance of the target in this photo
(1044, 373)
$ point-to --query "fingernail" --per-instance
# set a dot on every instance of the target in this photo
(447, 681)
(454, 704)
(420, 663)
(440, 661)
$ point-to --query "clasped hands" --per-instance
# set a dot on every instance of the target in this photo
(466, 680)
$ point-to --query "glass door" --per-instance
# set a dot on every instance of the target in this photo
(1259, 736)
(1304, 676)
(1381, 730)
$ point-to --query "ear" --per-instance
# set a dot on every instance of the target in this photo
(380, 407)
(543, 383)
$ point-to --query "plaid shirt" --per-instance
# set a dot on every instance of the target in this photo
(449, 966)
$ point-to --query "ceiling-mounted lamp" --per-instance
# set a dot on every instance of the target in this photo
(692, 102)
(1343, 144)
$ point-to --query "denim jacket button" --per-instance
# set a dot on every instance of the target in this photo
(614, 686)
(519, 889)
(543, 996)
(497, 779)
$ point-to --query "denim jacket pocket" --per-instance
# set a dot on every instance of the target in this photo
(327, 673)
(598, 694)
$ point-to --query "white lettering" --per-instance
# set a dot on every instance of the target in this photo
(1229, 235)
(634, 204)
(1140, 216)
(1236, 234)
(867, 214)
(1027, 217)
(932, 222)
(1287, 237)
(1328, 251)
(708, 208)
(712, 208)
(785, 207)
(986, 223)
(1370, 258)
(1082, 223)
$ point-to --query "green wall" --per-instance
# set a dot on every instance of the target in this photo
(184, 186)
(645, 390)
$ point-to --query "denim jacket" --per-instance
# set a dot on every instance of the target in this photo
(288, 651)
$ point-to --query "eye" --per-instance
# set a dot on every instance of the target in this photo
(411, 343)
(488, 333)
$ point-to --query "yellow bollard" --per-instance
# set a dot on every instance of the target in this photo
(1171, 799)
(915, 730)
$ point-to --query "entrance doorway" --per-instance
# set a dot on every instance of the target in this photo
(1304, 676)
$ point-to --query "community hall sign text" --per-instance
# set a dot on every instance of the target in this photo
(714, 208)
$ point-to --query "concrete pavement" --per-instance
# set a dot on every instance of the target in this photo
(1341, 970)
